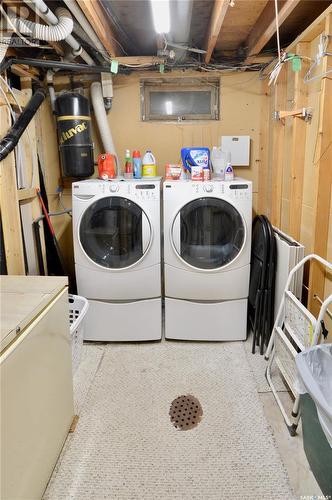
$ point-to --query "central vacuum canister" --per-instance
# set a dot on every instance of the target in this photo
(74, 133)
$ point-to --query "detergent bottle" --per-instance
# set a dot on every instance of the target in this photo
(137, 164)
(128, 170)
(149, 165)
(229, 172)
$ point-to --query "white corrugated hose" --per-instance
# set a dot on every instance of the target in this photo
(101, 117)
(54, 33)
(40, 7)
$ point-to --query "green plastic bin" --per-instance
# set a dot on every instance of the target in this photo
(315, 381)
(316, 446)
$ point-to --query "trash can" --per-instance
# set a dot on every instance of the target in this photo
(314, 368)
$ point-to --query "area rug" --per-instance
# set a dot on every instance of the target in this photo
(126, 447)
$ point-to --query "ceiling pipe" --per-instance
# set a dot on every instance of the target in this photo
(87, 28)
(102, 120)
(181, 14)
(40, 7)
(41, 63)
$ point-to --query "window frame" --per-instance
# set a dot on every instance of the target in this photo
(212, 85)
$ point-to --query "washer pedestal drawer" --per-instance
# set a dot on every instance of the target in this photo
(213, 321)
(123, 321)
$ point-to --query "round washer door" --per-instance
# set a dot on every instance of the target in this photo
(115, 232)
(208, 233)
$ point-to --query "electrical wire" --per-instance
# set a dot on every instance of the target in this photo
(277, 29)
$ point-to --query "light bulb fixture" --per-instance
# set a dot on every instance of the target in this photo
(161, 15)
(169, 107)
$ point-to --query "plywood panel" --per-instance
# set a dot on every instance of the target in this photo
(10, 216)
(240, 96)
(238, 23)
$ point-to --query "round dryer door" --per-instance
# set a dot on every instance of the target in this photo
(208, 233)
(114, 232)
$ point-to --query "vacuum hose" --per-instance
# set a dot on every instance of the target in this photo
(42, 32)
(8, 143)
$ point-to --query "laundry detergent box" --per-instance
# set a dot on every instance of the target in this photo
(195, 157)
(196, 173)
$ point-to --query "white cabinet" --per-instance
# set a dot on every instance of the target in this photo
(36, 382)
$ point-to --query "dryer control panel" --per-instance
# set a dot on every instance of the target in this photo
(233, 190)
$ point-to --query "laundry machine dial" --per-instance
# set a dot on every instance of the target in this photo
(114, 188)
(208, 188)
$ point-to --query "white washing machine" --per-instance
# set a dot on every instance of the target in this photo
(116, 229)
(207, 246)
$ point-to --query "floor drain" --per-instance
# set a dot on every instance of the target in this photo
(185, 412)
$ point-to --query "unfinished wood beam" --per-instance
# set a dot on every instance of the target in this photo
(304, 113)
(26, 194)
(278, 140)
(217, 18)
(140, 60)
(297, 154)
(323, 184)
(10, 213)
(312, 31)
(265, 27)
(263, 191)
(96, 16)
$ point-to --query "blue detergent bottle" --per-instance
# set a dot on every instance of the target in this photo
(137, 164)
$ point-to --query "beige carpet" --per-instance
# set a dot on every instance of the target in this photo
(258, 364)
(125, 447)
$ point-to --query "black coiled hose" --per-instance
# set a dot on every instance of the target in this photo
(8, 143)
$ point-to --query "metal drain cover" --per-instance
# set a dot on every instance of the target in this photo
(185, 412)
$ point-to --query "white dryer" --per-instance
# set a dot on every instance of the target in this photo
(116, 229)
(207, 246)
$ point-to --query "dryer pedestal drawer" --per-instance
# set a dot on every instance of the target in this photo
(212, 321)
(123, 321)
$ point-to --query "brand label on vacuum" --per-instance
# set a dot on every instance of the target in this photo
(68, 134)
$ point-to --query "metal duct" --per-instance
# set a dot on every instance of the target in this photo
(181, 14)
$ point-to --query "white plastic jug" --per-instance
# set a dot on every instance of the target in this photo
(219, 161)
(149, 165)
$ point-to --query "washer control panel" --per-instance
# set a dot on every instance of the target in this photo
(145, 190)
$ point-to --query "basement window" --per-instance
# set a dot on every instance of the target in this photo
(180, 99)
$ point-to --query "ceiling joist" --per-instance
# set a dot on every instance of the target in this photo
(95, 15)
(265, 26)
(217, 18)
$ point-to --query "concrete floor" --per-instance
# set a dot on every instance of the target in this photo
(290, 448)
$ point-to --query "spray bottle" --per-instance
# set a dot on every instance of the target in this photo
(229, 172)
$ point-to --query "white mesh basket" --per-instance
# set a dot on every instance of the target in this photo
(78, 307)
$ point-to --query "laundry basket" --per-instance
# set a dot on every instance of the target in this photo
(78, 307)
